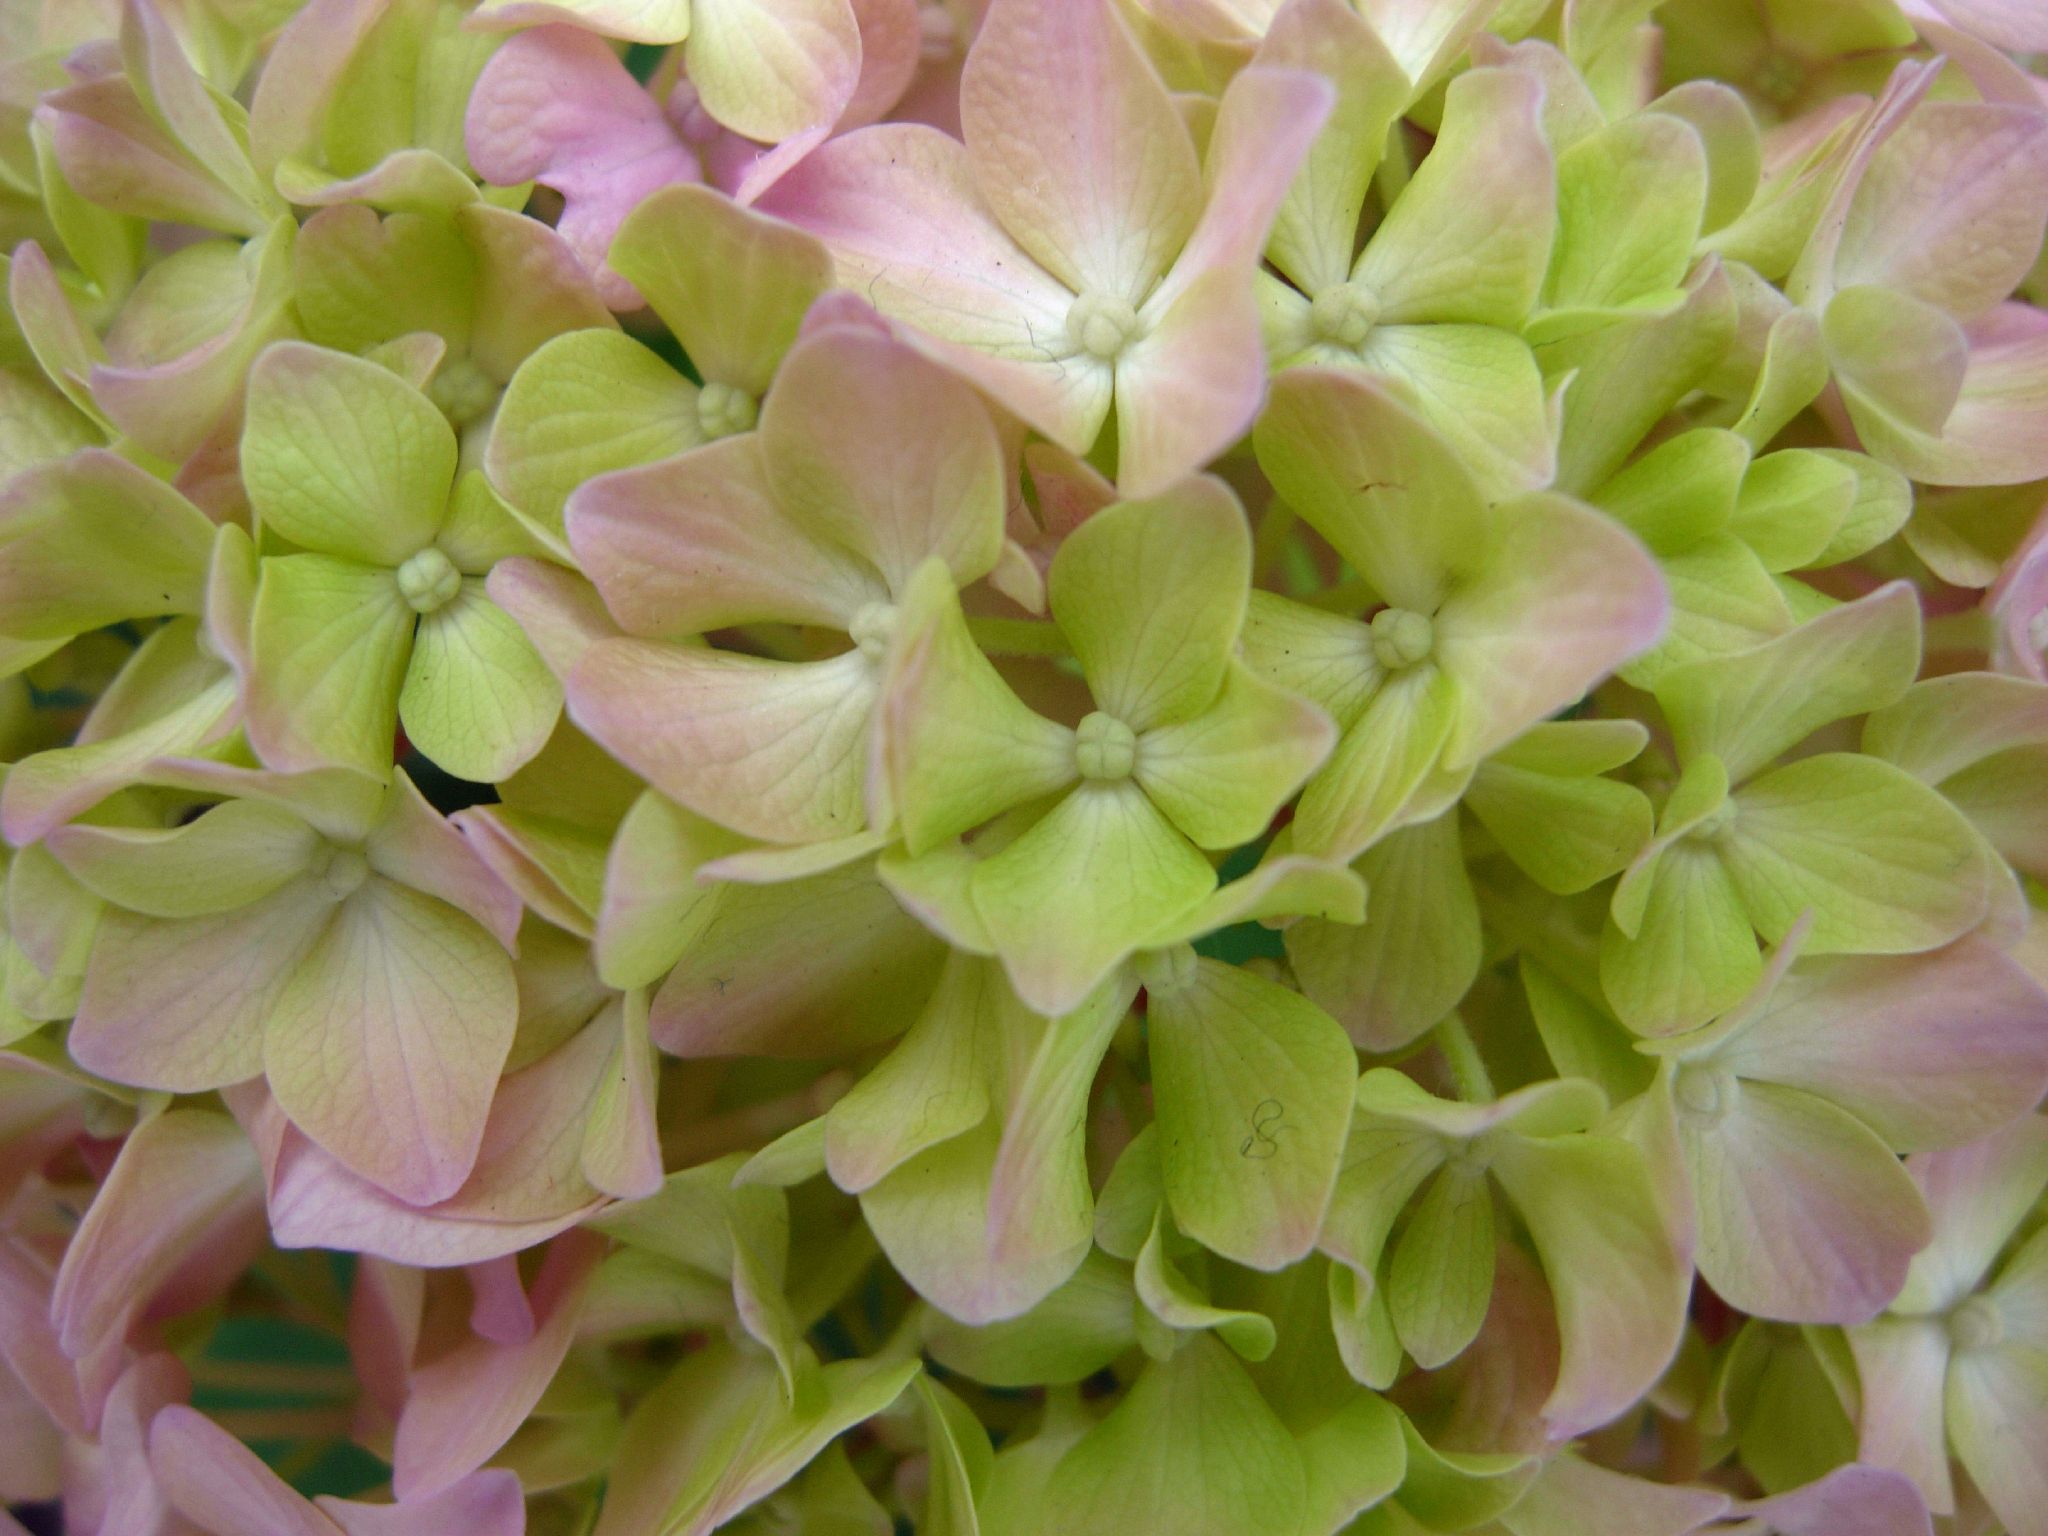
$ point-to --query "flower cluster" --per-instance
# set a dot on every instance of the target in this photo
(1205, 767)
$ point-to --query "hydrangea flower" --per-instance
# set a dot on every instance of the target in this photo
(1261, 767)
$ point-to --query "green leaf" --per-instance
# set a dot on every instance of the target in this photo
(1885, 864)
(1191, 1448)
(344, 458)
(330, 642)
(477, 697)
(1252, 1084)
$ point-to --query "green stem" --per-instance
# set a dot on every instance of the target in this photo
(1468, 1071)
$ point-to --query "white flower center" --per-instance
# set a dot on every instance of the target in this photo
(872, 628)
(723, 411)
(1344, 314)
(1976, 1324)
(1101, 326)
(1104, 747)
(463, 391)
(1705, 1094)
(344, 872)
(429, 580)
(1402, 637)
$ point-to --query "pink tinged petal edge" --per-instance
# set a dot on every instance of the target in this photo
(466, 1404)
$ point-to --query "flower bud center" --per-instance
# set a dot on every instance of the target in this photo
(428, 580)
(1716, 824)
(1104, 747)
(1976, 1324)
(872, 628)
(344, 872)
(723, 411)
(1401, 637)
(1344, 314)
(1101, 326)
(1705, 1093)
(463, 391)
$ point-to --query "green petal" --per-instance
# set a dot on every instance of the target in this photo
(1192, 1448)
(1074, 1332)
(1374, 480)
(1379, 764)
(1083, 888)
(229, 856)
(330, 641)
(1885, 864)
(1222, 775)
(1174, 1299)
(1317, 224)
(1694, 954)
(933, 1086)
(581, 406)
(1630, 201)
(360, 280)
(92, 540)
(956, 745)
(343, 457)
(732, 284)
(1791, 504)
(1468, 239)
(1392, 980)
(1252, 1084)
(477, 699)
(1152, 595)
(1619, 1284)
(1482, 392)
(1747, 708)
(1440, 1278)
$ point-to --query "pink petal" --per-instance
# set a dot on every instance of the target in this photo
(218, 1482)
(1077, 146)
(897, 206)
(1864, 1500)
(887, 454)
(555, 105)
(488, 1503)
(466, 1404)
(498, 1309)
(1929, 1050)
(178, 1176)
(701, 542)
